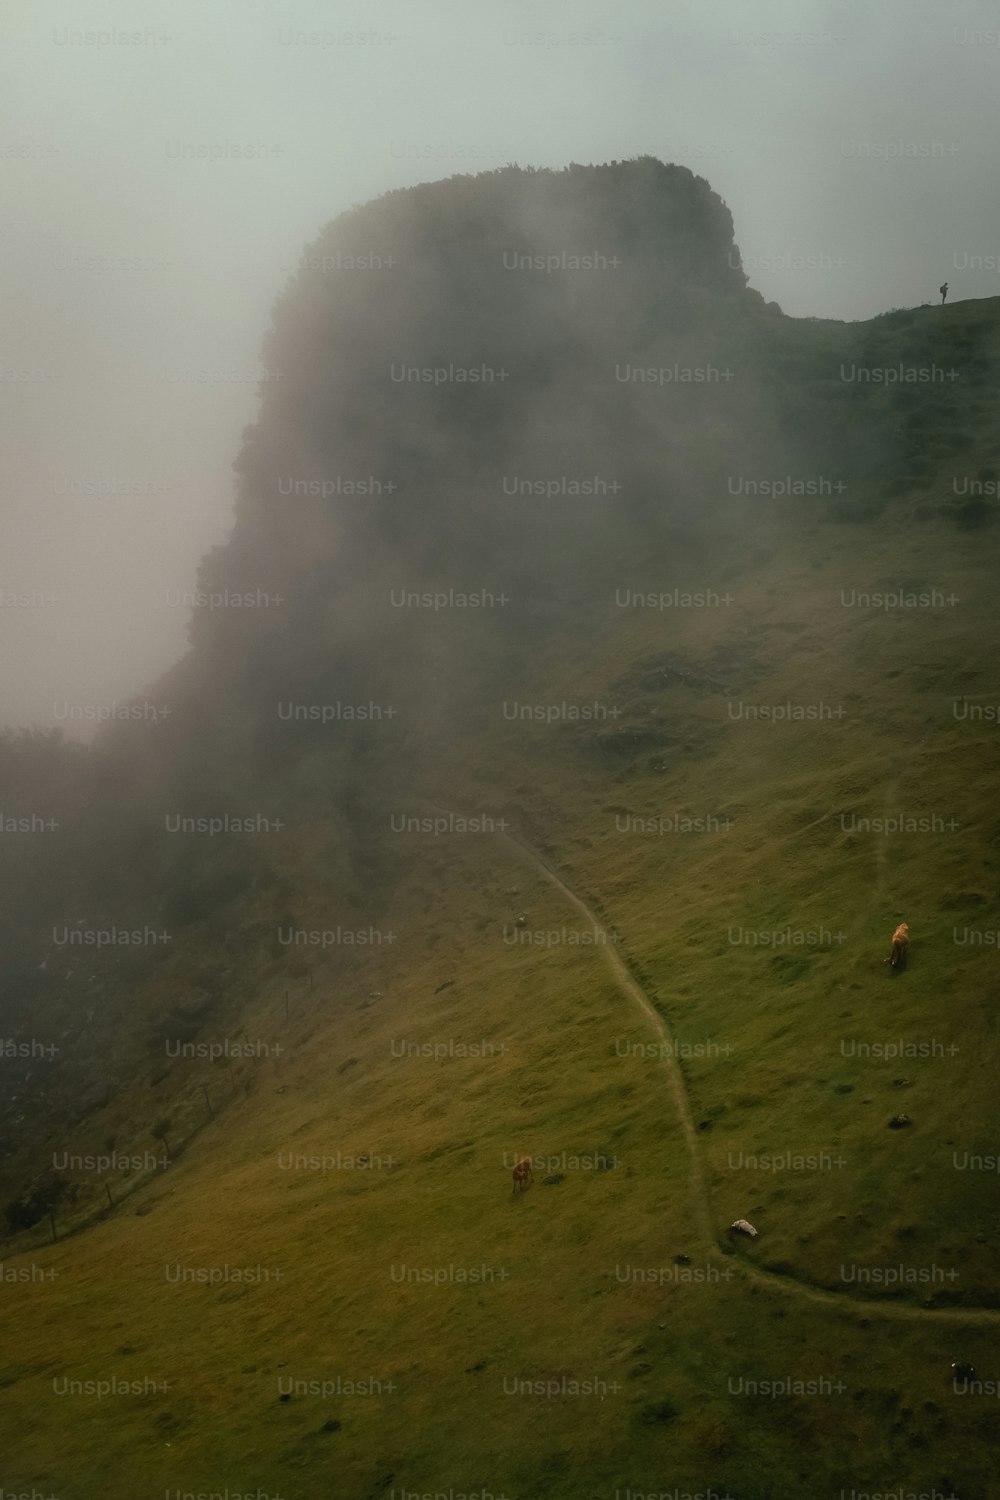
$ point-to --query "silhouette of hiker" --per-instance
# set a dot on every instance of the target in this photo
(943, 289)
(900, 939)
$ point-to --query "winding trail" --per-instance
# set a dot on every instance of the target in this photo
(841, 1302)
(882, 847)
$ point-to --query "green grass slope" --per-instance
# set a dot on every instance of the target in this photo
(600, 1332)
(432, 1330)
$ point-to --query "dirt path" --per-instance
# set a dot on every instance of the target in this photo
(840, 1302)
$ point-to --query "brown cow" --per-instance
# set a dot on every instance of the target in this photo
(522, 1173)
(900, 939)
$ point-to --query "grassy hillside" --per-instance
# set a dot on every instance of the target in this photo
(593, 1284)
(658, 969)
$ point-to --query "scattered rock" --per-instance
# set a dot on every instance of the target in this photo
(658, 1414)
(553, 1179)
(332, 1426)
(899, 1122)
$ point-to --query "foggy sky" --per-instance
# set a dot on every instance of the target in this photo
(854, 143)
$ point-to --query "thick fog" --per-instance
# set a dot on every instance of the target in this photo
(163, 166)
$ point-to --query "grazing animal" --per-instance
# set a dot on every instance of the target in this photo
(900, 939)
(745, 1228)
(522, 1173)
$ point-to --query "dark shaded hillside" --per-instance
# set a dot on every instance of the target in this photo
(547, 346)
(660, 374)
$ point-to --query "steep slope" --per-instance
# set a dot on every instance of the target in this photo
(580, 771)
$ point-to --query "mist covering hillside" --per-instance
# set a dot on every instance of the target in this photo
(620, 413)
(610, 414)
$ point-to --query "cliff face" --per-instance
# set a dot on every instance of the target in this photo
(447, 352)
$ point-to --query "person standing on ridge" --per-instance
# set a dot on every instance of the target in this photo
(943, 289)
